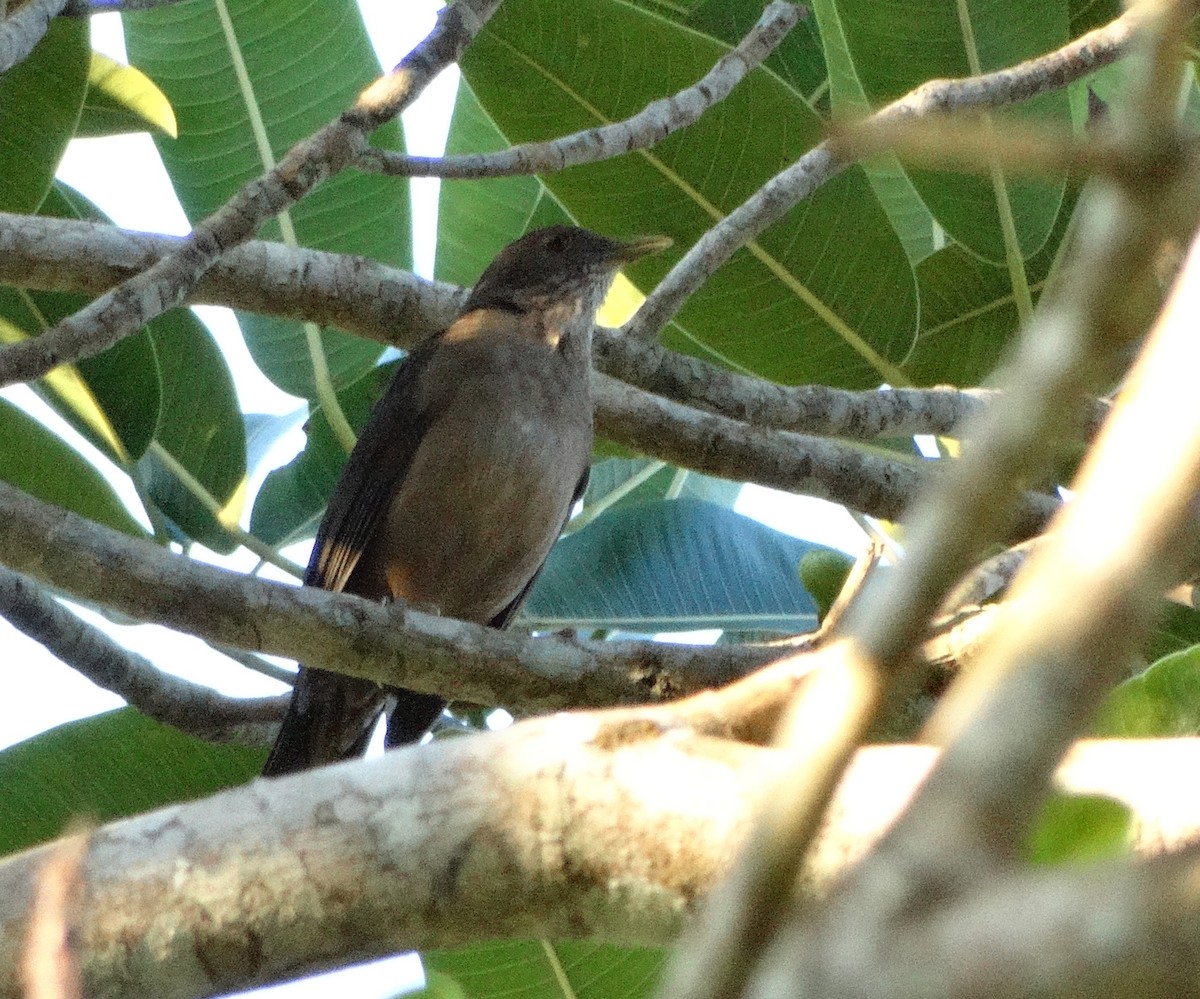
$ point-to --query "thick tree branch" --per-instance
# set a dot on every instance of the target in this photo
(346, 634)
(645, 129)
(163, 285)
(381, 303)
(24, 28)
(357, 294)
(792, 185)
(190, 707)
(555, 828)
(868, 481)
(393, 306)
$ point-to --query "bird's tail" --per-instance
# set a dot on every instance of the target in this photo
(331, 718)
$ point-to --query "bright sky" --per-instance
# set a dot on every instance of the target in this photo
(125, 177)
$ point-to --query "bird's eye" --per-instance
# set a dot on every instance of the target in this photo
(557, 243)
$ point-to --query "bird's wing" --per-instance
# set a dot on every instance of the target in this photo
(331, 717)
(370, 477)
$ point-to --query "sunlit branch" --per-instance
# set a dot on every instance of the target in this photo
(166, 283)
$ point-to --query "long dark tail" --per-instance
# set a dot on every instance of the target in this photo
(331, 718)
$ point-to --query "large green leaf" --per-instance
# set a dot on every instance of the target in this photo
(478, 218)
(803, 302)
(200, 429)
(968, 313)
(227, 67)
(892, 46)
(40, 100)
(539, 970)
(107, 767)
(674, 565)
(122, 99)
(800, 62)
(907, 212)
(293, 498)
(37, 461)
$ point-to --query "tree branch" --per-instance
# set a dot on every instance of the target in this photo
(792, 185)
(23, 29)
(645, 129)
(163, 285)
(555, 828)
(880, 486)
(345, 634)
(189, 707)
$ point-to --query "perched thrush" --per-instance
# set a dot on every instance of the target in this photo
(464, 475)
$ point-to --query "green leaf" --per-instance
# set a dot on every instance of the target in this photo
(911, 219)
(111, 399)
(40, 100)
(1079, 828)
(478, 218)
(37, 461)
(303, 65)
(789, 306)
(538, 970)
(200, 429)
(968, 315)
(674, 565)
(122, 99)
(1162, 701)
(293, 498)
(891, 47)
(799, 60)
(1177, 628)
(116, 764)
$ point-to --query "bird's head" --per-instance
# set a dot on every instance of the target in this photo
(560, 265)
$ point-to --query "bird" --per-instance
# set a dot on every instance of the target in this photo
(463, 476)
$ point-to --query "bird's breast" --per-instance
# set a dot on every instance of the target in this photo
(491, 483)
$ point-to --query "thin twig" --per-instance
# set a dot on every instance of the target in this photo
(187, 706)
(645, 129)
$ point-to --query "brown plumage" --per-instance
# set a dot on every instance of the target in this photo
(463, 476)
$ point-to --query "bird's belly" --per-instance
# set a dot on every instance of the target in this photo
(480, 509)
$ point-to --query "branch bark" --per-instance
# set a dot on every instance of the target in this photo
(555, 828)
(23, 29)
(187, 706)
(345, 634)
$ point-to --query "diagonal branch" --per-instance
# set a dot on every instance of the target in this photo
(190, 707)
(792, 185)
(165, 284)
(345, 634)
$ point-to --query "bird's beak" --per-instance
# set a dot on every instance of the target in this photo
(637, 248)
